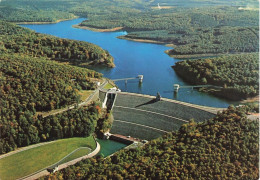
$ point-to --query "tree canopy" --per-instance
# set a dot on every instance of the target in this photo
(225, 147)
(238, 75)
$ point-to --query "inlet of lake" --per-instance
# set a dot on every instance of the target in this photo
(132, 59)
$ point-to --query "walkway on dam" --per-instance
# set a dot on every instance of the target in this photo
(143, 117)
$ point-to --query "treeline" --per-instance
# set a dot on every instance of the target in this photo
(225, 147)
(20, 40)
(24, 15)
(211, 30)
(29, 85)
(199, 3)
(195, 27)
(51, 10)
(40, 85)
(26, 129)
(238, 75)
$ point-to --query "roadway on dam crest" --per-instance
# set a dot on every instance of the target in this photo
(142, 117)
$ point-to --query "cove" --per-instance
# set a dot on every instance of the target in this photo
(132, 59)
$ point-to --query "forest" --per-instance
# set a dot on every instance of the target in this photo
(33, 80)
(190, 28)
(225, 147)
(238, 75)
(12, 14)
(216, 30)
(29, 85)
(16, 39)
(29, 129)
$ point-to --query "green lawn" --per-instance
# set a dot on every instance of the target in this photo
(85, 94)
(76, 154)
(32, 160)
(108, 86)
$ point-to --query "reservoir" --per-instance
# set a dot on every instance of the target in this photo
(109, 147)
(132, 59)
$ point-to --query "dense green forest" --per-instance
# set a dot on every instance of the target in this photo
(24, 15)
(192, 27)
(25, 128)
(20, 40)
(31, 81)
(51, 10)
(237, 74)
(215, 30)
(39, 84)
(28, 85)
(225, 147)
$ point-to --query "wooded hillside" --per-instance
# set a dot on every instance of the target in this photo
(225, 147)
(28, 85)
(21, 40)
(238, 75)
(193, 26)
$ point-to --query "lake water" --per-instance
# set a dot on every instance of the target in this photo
(132, 59)
(109, 147)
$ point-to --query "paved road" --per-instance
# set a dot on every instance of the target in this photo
(86, 102)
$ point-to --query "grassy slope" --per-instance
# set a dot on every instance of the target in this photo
(225, 147)
(76, 154)
(29, 161)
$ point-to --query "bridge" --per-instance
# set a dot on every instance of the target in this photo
(140, 77)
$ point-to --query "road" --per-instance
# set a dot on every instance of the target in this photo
(44, 171)
(86, 102)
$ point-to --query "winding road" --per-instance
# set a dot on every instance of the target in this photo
(43, 171)
(86, 102)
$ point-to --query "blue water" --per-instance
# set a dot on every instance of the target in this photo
(132, 59)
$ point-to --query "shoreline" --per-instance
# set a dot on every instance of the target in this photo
(193, 56)
(54, 22)
(144, 40)
(200, 56)
(96, 29)
(122, 37)
(251, 99)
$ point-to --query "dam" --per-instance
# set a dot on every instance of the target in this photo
(144, 117)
